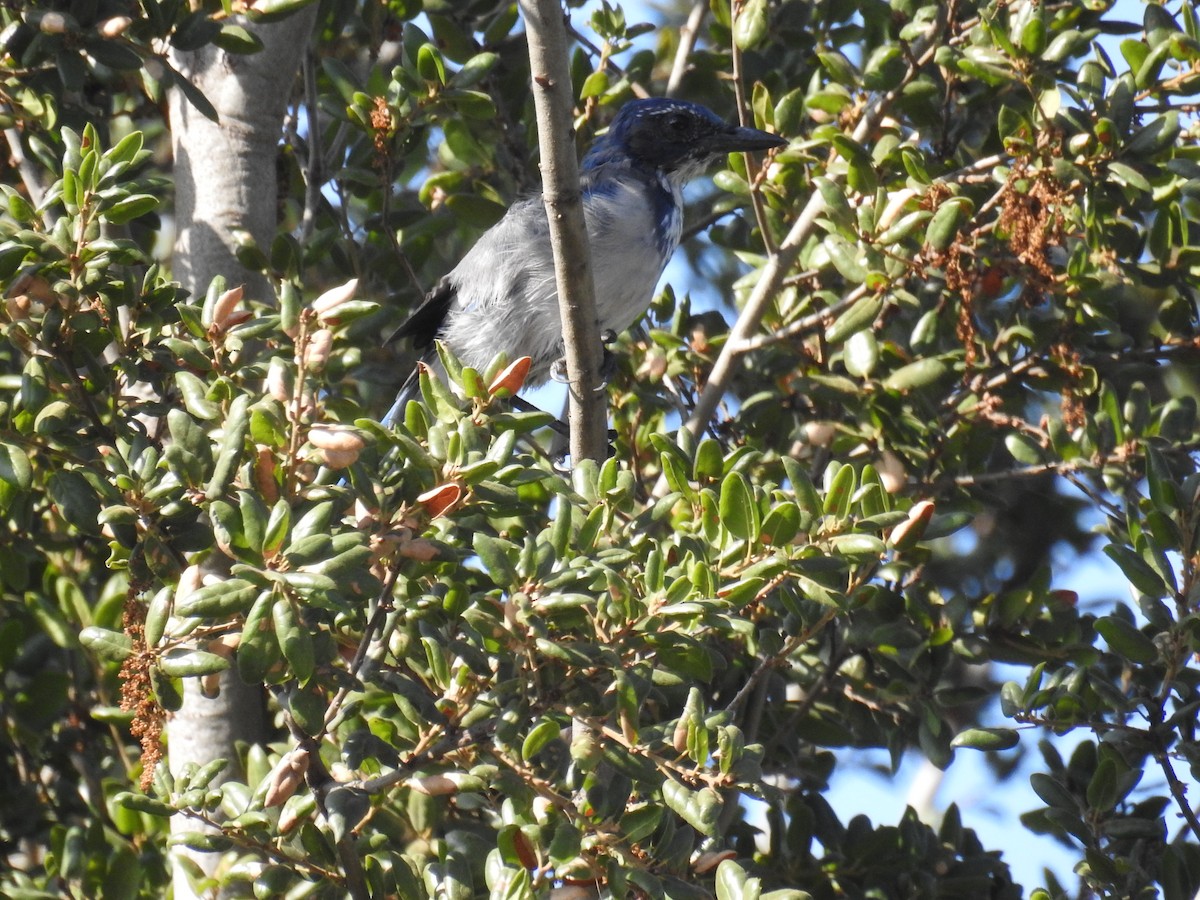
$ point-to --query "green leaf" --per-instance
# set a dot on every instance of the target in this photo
(258, 648)
(750, 27)
(157, 615)
(701, 809)
(915, 375)
(151, 806)
(861, 354)
(193, 94)
(840, 484)
(1103, 790)
(75, 499)
(253, 513)
(738, 513)
(1023, 448)
(498, 557)
(846, 257)
(1137, 570)
(782, 524)
(113, 646)
(14, 467)
(1052, 793)
(987, 738)
(1124, 639)
(733, 884)
(232, 448)
(539, 736)
(860, 315)
(276, 531)
(709, 463)
(188, 663)
(125, 150)
(1128, 176)
(235, 38)
(857, 545)
(943, 227)
(129, 208)
(1067, 44)
(219, 600)
(274, 10)
(294, 638)
(430, 65)
(639, 823)
(475, 70)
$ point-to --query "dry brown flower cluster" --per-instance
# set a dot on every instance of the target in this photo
(137, 696)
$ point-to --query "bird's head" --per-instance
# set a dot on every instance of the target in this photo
(674, 137)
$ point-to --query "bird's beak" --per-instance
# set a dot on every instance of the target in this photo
(740, 140)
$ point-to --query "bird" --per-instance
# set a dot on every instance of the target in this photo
(502, 296)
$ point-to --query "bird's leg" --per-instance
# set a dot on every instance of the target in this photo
(608, 362)
(608, 359)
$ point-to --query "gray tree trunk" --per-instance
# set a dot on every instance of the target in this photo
(224, 183)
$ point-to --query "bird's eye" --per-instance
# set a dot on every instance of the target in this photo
(677, 122)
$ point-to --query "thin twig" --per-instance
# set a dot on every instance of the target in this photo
(639, 90)
(313, 170)
(810, 322)
(320, 782)
(770, 662)
(688, 32)
(779, 265)
(1179, 792)
(383, 607)
(746, 118)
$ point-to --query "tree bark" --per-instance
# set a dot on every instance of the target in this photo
(225, 179)
(225, 183)
(554, 101)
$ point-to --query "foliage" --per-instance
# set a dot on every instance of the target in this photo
(492, 677)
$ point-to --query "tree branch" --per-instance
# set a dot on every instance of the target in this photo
(552, 97)
(31, 176)
(688, 33)
(780, 263)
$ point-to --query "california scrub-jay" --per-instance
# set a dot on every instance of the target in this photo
(502, 296)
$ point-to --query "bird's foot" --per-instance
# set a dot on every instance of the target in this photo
(608, 359)
(608, 362)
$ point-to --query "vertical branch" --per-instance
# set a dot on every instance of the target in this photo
(552, 97)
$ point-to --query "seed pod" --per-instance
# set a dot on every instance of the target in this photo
(277, 381)
(287, 775)
(226, 303)
(892, 473)
(338, 447)
(316, 354)
(907, 533)
(438, 500)
(324, 305)
(114, 27)
(819, 434)
(52, 23)
(510, 379)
